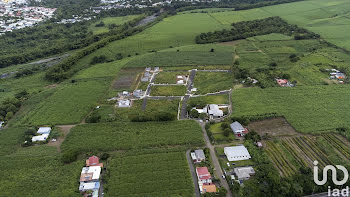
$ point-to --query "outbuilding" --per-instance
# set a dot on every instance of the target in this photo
(237, 153)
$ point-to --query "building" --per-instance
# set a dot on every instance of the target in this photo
(1, 124)
(92, 186)
(125, 93)
(198, 156)
(156, 69)
(214, 111)
(93, 161)
(237, 153)
(208, 188)
(144, 79)
(284, 83)
(124, 103)
(244, 173)
(138, 93)
(238, 129)
(203, 176)
(148, 69)
(44, 130)
(91, 173)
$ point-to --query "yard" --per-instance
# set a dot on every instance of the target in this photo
(219, 136)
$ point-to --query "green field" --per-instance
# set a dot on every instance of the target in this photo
(109, 21)
(123, 136)
(150, 173)
(210, 82)
(168, 77)
(210, 99)
(308, 109)
(171, 90)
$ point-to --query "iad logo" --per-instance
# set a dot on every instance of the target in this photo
(334, 174)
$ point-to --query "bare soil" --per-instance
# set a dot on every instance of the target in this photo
(127, 78)
(65, 129)
(273, 127)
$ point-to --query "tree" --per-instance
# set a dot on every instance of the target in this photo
(212, 50)
(225, 125)
(227, 132)
(194, 113)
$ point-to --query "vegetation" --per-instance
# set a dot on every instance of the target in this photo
(210, 82)
(172, 90)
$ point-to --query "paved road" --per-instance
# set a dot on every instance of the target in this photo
(190, 81)
(183, 110)
(214, 158)
(193, 173)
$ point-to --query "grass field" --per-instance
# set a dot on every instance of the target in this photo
(211, 99)
(168, 77)
(209, 82)
(218, 134)
(172, 90)
(123, 135)
(149, 173)
(109, 21)
(309, 109)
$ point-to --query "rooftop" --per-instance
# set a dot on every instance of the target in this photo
(237, 153)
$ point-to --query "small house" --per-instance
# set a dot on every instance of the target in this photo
(156, 69)
(238, 129)
(203, 176)
(125, 93)
(91, 173)
(144, 79)
(283, 82)
(244, 173)
(44, 130)
(180, 82)
(147, 74)
(148, 69)
(1, 124)
(124, 103)
(40, 138)
(198, 156)
(214, 111)
(237, 153)
(137, 93)
(93, 161)
(92, 186)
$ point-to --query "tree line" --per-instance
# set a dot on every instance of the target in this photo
(246, 29)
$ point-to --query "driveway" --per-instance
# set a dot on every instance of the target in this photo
(214, 158)
(193, 173)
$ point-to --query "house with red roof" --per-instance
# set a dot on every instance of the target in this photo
(93, 161)
(203, 175)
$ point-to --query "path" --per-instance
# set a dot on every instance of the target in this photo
(183, 110)
(193, 173)
(66, 129)
(214, 158)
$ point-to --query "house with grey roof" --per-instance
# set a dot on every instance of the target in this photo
(243, 173)
(238, 129)
(198, 156)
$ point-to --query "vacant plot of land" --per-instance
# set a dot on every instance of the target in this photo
(218, 134)
(127, 79)
(96, 29)
(273, 127)
(291, 153)
(150, 173)
(173, 90)
(209, 82)
(169, 77)
(210, 99)
(123, 135)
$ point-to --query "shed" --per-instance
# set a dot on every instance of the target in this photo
(44, 130)
(237, 153)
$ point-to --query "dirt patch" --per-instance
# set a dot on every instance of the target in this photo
(52, 85)
(127, 78)
(65, 129)
(231, 43)
(274, 127)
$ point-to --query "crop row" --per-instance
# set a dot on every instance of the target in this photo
(338, 144)
(280, 160)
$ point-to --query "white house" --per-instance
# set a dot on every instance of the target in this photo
(214, 111)
(44, 130)
(237, 153)
(238, 129)
(124, 103)
(91, 173)
(40, 138)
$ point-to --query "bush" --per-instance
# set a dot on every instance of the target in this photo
(227, 132)
(98, 59)
(194, 113)
(93, 118)
(69, 156)
(225, 125)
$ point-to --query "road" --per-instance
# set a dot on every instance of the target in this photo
(214, 158)
(193, 173)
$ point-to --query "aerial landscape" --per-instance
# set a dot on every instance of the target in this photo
(186, 98)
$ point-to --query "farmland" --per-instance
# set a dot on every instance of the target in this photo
(150, 173)
(290, 153)
(124, 136)
(168, 77)
(208, 82)
(172, 90)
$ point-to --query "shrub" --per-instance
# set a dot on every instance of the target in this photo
(227, 132)
(69, 156)
(194, 113)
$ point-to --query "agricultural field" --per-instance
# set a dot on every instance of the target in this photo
(127, 79)
(301, 106)
(149, 173)
(290, 153)
(211, 99)
(125, 136)
(110, 21)
(168, 77)
(170, 90)
(210, 82)
(38, 171)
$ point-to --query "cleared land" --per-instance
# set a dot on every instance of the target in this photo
(209, 82)
(173, 90)
(168, 77)
(272, 127)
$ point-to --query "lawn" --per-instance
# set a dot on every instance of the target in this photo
(149, 173)
(109, 21)
(218, 134)
(309, 109)
(210, 82)
(125, 136)
(171, 90)
(168, 77)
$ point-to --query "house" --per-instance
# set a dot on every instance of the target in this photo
(144, 79)
(180, 82)
(214, 111)
(198, 156)
(238, 129)
(244, 173)
(1, 124)
(203, 176)
(156, 69)
(91, 173)
(208, 188)
(44, 130)
(237, 153)
(148, 69)
(340, 76)
(40, 138)
(283, 82)
(137, 93)
(125, 93)
(93, 161)
(92, 186)
(147, 74)
(124, 103)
